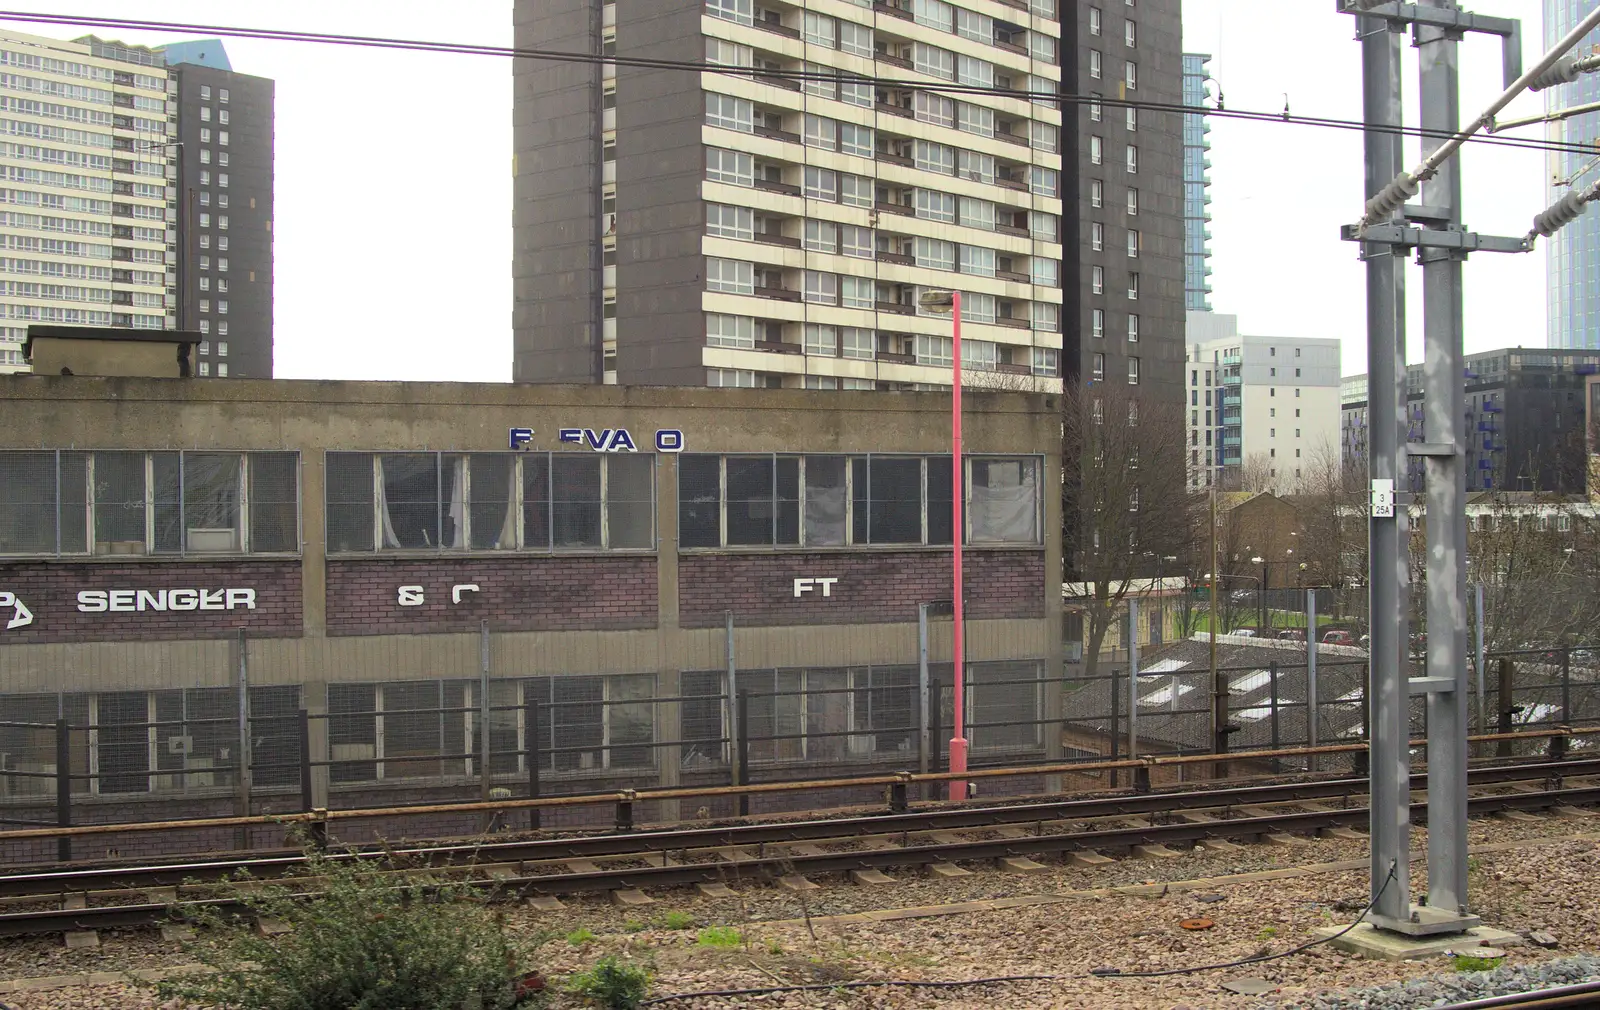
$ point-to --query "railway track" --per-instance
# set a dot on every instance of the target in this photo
(636, 861)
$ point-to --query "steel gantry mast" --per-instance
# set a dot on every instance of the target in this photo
(1390, 227)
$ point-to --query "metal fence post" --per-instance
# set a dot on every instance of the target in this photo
(1313, 731)
(1361, 767)
(731, 691)
(1116, 723)
(63, 788)
(1272, 685)
(935, 733)
(1133, 678)
(485, 775)
(1566, 685)
(924, 741)
(530, 716)
(742, 722)
(303, 726)
(1506, 705)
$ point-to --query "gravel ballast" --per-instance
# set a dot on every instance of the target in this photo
(1460, 987)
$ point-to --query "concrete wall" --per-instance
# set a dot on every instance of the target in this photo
(123, 358)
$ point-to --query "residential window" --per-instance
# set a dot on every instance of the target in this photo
(974, 26)
(821, 184)
(729, 54)
(205, 220)
(205, 92)
(205, 156)
(976, 72)
(1097, 366)
(931, 157)
(855, 190)
(1133, 203)
(856, 342)
(727, 221)
(736, 277)
(222, 306)
(820, 29)
(742, 377)
(1133, 160)
(222, 117)
(1095, 26)
(976, 213)
(1097, 236)
(1097, 193)
(1133, 371)
(939, 110)
(205, 284)
(1133, 329)
(222, 348)
(855, 39)
(205, 136)
(975, 119)
(1047, 317)
(858, 94)
(1131, 75)
(934, 62)
(822, 132)
(976, 166)
(858, 293)
(1096, 111)
(222, 137)
(1097, 150)
(855, 140)
(1130, 34)
(1132, 117)
(730, 331)
(935, 206)
(1097, 326)
(1042, 47)
(1098, 283)
(1044, 137)
(729, 112)
(821, 236)
(205, 369)
(934, 13)
(205, 114)
(930, 350)
(821, 288)
(1046, 361)
(934, 254)
(822, 341)
(222, 179)
(732, 167)
(1094, 64)
(1042, 181)
(1044, 225)
(1133, 245)
(739, 11)
(856, 241)
(1133, 287)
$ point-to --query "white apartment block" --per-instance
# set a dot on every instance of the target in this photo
(1261, 409)
(801, 220)
(88, 222)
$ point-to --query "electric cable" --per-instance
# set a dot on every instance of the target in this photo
(799, 76)
(1394, 868)
(997, 979)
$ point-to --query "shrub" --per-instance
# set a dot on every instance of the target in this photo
(1468, 962)
(677, 920)
(611, 984)
(580, 936)
(367, 941)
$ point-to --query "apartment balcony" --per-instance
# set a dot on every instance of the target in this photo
(1011, 138)
(1005, 183)
(1009, 369)
(1014, 276)
(893, 60)
(786, 83)
(777, 294)
(1013, 230)
(892, 358)
(896, 308)
(898, 259)
(889, 207)
(890, 9)
(773, 133)
(773, 238)
(777, 29)
(774, 186)
(1493, 408)
(889, 157)
(778, 347)
(895, 110)
(1489, 426)
(1013, 322)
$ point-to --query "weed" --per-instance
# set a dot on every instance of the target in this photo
(1466, 962)
(634, 926)
(677, 920)
(1267, 933)
(368, 939)
(580, 936)
(719, 936)
(774, 947)
(611, 984)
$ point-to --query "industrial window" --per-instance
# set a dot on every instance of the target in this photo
(122, 502)
(490, 501)
(831, 501)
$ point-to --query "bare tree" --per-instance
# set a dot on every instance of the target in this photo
(1125, 499)
(1254, 474)
(1535, 556)
(1333, 505)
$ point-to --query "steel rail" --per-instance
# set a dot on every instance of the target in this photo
(71, 880)
(771, 867)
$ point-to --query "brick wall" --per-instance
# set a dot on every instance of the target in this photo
(514, 594)
(50, 591)
(873, 586)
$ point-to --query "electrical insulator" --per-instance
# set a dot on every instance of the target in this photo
(1391, 198)
(1565, 71)
(1564, 211)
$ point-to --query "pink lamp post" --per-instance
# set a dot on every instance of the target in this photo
(950, 301)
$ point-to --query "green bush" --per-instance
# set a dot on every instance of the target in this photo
(1468, 962)
(367, 941)
(677, 920)
(611, 984)
(580, 936)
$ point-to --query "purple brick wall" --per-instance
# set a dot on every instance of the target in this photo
(514, 594)
(873, 586)
(50, 591)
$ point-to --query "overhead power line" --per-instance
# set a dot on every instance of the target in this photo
(697, 66)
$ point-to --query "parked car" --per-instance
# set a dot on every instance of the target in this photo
(1293, 635)
(1245, 632)
(1338, 638)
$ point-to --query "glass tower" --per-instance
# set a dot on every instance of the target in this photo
(1573, 253)
(1196, 199)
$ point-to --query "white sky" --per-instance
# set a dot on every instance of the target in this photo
(394, 185)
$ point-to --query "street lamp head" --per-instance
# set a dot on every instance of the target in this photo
(938, 300)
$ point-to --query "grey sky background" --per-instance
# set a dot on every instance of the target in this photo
(393, 219)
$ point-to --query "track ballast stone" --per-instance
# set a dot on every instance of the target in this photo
(1456, 987)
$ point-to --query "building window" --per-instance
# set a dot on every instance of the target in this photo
(858, 293)
(1097, 366)
(1097, 150)
(741, 377)
(1098, 322)
(1097, 236)
(729, 112)
(727, 221)
(822, 341)
(730, 331)
(205, 92)
(1097, 193)
(1133, 202)
(1131, 75)
(821, 288)
(1096, 111)
(1047, 316)
(1133, 245)
(1133, 329)
(1133, 160)
(222, 117)
(1133, 287)
(731, 276)
(1130, 34)
(69, 502)
(1094, 64)
(732, 167)
(204, 369)
(1095, 26)
(498, 501)
(811, 501)
(1098, 281)
(821, 184)
(738, 11)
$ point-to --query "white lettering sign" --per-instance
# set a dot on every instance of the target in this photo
(21, 616)
(416, 596)
(803, 586)
(100, 601)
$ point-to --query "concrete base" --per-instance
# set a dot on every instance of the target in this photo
(630, 897)
(869, 878)
(81, 939)
(948, 870)
(1368, 941)
(1426, 920)
(715, 891)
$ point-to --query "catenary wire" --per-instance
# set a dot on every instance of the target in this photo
(943, 87)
